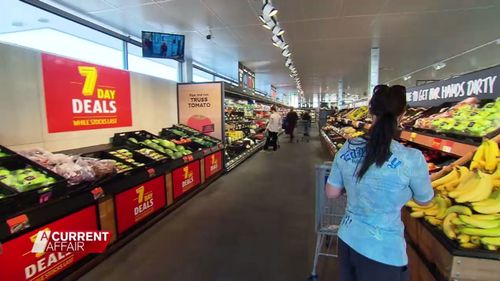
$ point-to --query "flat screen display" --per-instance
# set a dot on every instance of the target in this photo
(162, 45)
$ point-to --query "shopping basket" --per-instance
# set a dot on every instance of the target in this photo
(328, 215)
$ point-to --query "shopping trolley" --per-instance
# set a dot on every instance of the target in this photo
(328, 215)
(303, 130)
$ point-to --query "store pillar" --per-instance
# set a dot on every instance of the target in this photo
(186, 71)
(374, 70)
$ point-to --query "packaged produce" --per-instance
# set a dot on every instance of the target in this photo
(74, 168)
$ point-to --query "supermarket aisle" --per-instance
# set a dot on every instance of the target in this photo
(255, 223)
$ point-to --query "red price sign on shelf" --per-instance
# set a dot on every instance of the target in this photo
(447, 146)
(436, 143)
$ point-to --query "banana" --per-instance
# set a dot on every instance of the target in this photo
(491, 247)
(466, 185)
(478, 155)
(468, 245)
(457, 221)
(496, 182)
(492, 232)
(463, 238)
(432, 211)
(488, 206)
(481, 192)
(418, 214)
(495, 241)
(447, 200)
(480, 223)
(412, 204)
(486, 217)
(490, 156)
(459, 209)
(442, 204)
(439, 187)
(476, 240)
(453, 175)
(450, 186)
(448, 227)
(432, 220)
(496, 174)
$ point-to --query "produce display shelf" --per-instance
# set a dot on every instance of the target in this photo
(328, 143)
(437, 142)
(447, 145)
(233, 163)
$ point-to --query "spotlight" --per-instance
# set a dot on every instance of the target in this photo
(407, 77)
(268, 10)
(262, 19)
(286, 53)
(270, 24)
(278, 30)
(439, 65)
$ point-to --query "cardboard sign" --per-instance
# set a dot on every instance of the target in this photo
(18, 263)
(185, 178)
(84, 96)
(138, 203)
(213, 164)
(201, 107)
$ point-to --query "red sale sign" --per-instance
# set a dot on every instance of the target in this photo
(185, 178)
(138, 203)
(19, 262)
(213, 164)
(84, 96)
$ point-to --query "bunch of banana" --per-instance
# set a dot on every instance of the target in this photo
(485, 157)
(449, 182)
(490, 205)
(433, 212)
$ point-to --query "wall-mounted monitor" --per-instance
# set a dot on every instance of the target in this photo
(163, 45)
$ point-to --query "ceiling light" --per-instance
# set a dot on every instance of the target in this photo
(286, 53)
(407, 77)
(262, 19)
(278, 30)
(270, 24)
(268, 10)
(276, 45)
(439, 65)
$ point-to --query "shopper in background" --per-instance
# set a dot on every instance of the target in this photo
(306, 117)
(273, 128)
(291, 119)
(379, 176)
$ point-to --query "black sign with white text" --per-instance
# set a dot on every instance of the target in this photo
(483, 84)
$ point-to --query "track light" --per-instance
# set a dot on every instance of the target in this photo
(268, 10)
(278, 30)
(270, 24)
(286, 53)
(439, 65)
(407, 77)
(262, 19)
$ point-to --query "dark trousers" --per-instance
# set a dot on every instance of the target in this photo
(356, 267)
(272, 139)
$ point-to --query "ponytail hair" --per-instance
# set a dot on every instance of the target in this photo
(387, 104)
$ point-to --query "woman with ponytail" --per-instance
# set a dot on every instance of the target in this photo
(379, 176)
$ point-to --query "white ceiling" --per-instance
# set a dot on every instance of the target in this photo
(329, 39)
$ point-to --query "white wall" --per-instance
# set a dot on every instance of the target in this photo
(23, 121)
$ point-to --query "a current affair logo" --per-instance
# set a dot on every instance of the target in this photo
(47, 241)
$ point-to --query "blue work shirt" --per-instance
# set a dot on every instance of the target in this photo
(372, 224)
